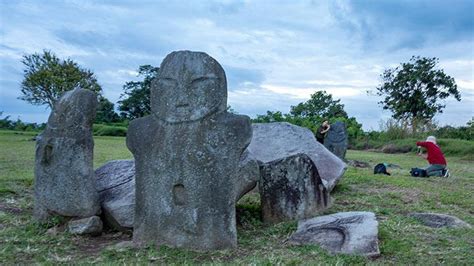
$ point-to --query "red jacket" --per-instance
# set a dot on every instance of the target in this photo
(435, 156)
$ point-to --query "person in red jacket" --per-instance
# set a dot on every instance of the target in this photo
(434, 156)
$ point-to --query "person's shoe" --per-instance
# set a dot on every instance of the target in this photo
(446, 173)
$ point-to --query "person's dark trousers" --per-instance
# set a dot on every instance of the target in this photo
(435, 169)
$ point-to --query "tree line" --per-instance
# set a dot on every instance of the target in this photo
(414, 92)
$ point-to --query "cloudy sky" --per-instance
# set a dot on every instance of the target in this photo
(275, 53)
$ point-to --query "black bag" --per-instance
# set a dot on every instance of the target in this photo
(418, 172)
(381, 169)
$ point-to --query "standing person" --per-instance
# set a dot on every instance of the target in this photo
(322, 130)
(434, 156)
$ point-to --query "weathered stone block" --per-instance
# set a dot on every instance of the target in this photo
(344, 232)
(438, 220)
(85, 226)
(275, 141)
(64, 175)
(337, 139)
(291, 189)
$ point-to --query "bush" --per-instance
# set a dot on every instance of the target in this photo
(106, 130)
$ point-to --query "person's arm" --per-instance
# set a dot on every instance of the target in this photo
(325, 130)
(420, 152)
(422, 144)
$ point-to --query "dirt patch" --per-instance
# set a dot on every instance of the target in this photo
(90, 246)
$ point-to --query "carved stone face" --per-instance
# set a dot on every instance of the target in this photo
(189, 86)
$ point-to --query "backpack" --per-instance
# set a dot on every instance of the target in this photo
(418, 172)
(381, 169)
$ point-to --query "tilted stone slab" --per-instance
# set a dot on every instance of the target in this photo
(275, 141)
(291, 189)
(187, 155)
(116, 186)
(64, 175)
(438, 220)
(344, 232)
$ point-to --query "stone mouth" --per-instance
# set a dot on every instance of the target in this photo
(182, 105)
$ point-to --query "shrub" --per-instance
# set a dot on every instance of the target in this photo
(106, 130)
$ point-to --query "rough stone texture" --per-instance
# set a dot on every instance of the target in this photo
(248, 173)
(64, 175)
(438, 220)
(275, 141)
(291, 189)
(187, 156)
(344, 232)
(85, 226)
(116, 186)
(337, 139)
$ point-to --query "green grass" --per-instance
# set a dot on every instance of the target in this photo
(402, 240)
(457, 147)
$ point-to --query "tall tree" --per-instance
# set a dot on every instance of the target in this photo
(46, 78)
(320, 105)
(413, 90)
(310, 114)
(136, 96)
(105, 111)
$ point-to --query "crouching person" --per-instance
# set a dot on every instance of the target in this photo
(434, 156)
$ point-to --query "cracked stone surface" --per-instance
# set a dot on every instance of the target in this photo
(344, 232)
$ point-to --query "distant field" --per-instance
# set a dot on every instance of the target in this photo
(402, 239)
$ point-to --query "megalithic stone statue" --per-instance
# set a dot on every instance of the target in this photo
(64, 174)
(187, 155)
(337, 139)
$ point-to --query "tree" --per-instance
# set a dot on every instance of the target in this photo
(320, 105)
(136, 102)
(46, 78)
(310, 114)
(413, 90)
(105, 111)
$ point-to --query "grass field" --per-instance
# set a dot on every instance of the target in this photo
(402, 240)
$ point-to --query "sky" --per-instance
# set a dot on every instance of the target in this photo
(275, 53)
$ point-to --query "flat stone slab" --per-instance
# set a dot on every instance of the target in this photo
(275, 141)
(85, 226)
(115, 182)
(344, 232)
(437, 220)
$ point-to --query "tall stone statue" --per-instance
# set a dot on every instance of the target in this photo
(187, 155)
(337, 139)
(64, 175)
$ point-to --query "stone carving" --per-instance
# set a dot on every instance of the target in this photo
(336, 139)
(291, 189)
(438, 220)
(116, 186)
(187, 157)
(275, 141)
(64, 175)
(345, 232)
(85, 226)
